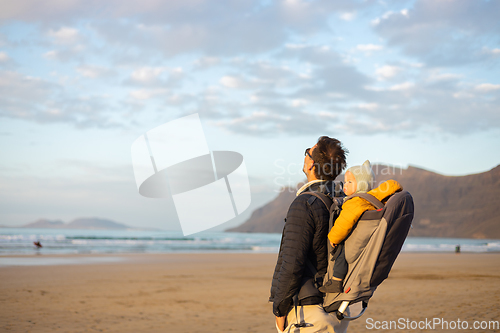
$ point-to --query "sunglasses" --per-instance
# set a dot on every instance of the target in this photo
(308, 154)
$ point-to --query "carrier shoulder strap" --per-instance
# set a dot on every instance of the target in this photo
(327, 200)
(323, 197)
(370, 198)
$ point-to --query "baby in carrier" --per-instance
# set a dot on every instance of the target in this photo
(357, 179)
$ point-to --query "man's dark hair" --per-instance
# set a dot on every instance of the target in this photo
(329, 158)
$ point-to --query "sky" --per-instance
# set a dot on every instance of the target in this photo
(404, 83)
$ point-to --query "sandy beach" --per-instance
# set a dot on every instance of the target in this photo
(224, 292)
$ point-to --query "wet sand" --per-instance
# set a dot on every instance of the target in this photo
(223, 292)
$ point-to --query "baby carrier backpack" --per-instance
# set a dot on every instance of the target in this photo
(370, 249)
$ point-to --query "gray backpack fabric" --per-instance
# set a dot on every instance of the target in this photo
(370, 251)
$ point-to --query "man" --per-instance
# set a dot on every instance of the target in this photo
(303, 251)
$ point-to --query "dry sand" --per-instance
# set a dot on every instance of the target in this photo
(227, 293)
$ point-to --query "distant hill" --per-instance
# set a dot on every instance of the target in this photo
(80, 223)
(445, 206)
(95, 223)
(42, 223)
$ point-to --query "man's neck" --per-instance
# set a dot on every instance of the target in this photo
(311, 177)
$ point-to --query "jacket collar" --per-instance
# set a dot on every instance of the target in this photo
(307, 185)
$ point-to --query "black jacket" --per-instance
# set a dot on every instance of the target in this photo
(304, 238)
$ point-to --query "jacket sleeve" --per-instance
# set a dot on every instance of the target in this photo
(351, 212)
(296, 242)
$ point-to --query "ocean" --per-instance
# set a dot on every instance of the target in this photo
(19, 241)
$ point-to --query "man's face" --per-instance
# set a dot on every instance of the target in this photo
(308, 161)
(350, 183)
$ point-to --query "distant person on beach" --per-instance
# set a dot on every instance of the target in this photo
(357, 179)
(304, 244)
(37, 244)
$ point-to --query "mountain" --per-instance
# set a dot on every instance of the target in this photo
(80, 223)
(445, 206)
(95, 223)
(42, 223)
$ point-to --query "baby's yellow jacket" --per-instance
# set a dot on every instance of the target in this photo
(353, 208)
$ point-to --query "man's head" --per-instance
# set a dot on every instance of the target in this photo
(359, 178)
(325, 160)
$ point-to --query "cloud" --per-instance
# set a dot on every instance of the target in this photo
(145, 94)
(451, 106)
(264, 64)
(387, 72)
(21, 96)
(230, 82)
(284, 101)
(4, 57)
(385, 16)
(147, 75)
(94, 71)
(495, 51)
(66, 43)
(348, 16)
(206, 62)
(34, 99)
(52, 10)
(51, 55)
(238, 82)
(437, 75)
(340, 98)
(233, 35)
(243, 27)
(154, 81)
(369, 106)
(373, 126)
(369, 47)
(6, 62)
(314, 55)
(66, 54)
(263, 123)
(299, 102)
(337, 96)
(443, 33)
(343, 81)
(64, 35)
(487, 87)
(402, 86)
